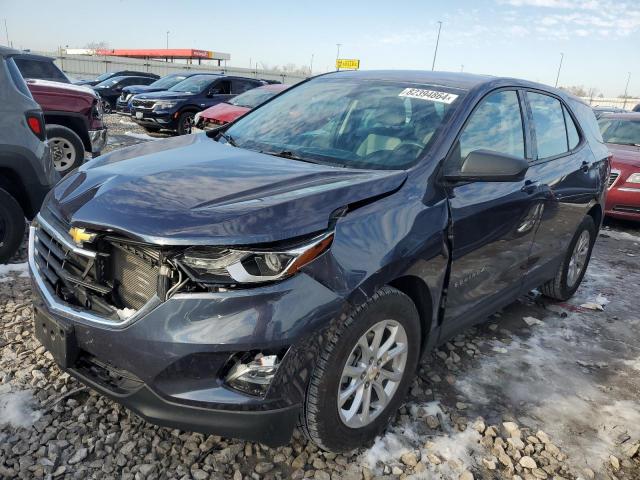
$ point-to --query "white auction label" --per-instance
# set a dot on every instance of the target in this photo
(433, 95)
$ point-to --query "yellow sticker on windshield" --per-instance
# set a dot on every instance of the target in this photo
(433, 95)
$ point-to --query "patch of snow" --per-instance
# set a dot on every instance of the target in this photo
(532, 321)
(618, 235)
(127, 122)
(22, 269)
(140, 136)
(16, 409)
(125, 313)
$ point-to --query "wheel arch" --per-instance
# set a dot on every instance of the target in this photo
(597, 214)
(418, 291)
(12, 183)
(76, 124)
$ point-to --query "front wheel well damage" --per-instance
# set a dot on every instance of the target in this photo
(419, 293)
(596, 213)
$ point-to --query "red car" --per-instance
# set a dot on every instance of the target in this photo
(621, 132)
(228, 111)
(73, 115)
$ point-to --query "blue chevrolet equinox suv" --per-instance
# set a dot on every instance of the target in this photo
(294, 266)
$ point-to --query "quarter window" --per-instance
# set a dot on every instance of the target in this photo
(572, 131)
(495, 125)
(548, 121)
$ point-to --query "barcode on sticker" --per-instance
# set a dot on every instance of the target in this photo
(433, 95)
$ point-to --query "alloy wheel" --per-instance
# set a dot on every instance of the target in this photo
(373, 371)
(578, 259)
(64, 155)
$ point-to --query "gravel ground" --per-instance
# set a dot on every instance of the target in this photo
(542, 390)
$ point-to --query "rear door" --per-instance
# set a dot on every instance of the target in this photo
(241, 85)
(565, 181)
(219, 91)
(492, 228)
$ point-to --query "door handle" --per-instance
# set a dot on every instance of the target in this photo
(585, 167)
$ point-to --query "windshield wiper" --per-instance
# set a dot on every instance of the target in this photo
(229, 139)
(288, 154)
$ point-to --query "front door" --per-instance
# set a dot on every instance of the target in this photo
(493, 223)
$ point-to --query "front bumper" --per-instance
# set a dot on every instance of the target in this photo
(150, 118)
(624, 202)
(173, 354)
(98, 139)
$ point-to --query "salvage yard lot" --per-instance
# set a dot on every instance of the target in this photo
(542, 389)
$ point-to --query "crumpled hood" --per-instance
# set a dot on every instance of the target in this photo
(224, 112)
(193, 190)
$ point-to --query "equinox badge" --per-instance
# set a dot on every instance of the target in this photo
(80, 235)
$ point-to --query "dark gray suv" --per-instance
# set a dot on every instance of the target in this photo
(26, 170)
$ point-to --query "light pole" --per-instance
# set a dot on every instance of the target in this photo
(626, 90)
(559, 68)
(311, 66)
(462, 68)
(338, 54)
(168, 39)
(6, 30)
(435, 52)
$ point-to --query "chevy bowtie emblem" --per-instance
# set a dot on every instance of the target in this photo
(80, 235)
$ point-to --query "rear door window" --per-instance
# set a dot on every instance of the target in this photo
(495, 125)
(548, 122)
(241, 86)
(40, 69)
(222, 87)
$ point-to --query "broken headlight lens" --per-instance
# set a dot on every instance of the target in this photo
(218, 265)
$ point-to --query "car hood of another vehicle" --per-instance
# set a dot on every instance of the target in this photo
(135, 89)
(627, 154)
(191, 190)
(165, 95)
(224, 112)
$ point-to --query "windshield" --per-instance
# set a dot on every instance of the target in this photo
(619, 131)
(104, 76)
(110, 82)
(347, 122)
(168, 81)
(252, 98)
(195, 84)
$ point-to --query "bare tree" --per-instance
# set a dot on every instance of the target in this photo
(102, 45)
(577, 90)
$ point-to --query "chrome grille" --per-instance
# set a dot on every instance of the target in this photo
(143, 103)
(613, 176)
(110, 275)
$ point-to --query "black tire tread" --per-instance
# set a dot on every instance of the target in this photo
(12, 209)
(555, 287)
(308, 421)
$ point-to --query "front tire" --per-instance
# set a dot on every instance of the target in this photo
(185, 122)
(12, 226)
(67, 149)
(363, 373)
(571, 272)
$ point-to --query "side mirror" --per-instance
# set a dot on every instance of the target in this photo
(489, 166)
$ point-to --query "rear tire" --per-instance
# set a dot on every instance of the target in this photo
(12, 226)
(67, 149)
(572, 269)
(348, 370)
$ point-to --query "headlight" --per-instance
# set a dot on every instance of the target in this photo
(165, 105)
(634, 178)
(215, 265)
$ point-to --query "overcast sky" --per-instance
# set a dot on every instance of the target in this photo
(600, 39)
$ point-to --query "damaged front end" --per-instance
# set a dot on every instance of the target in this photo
(113, 278)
